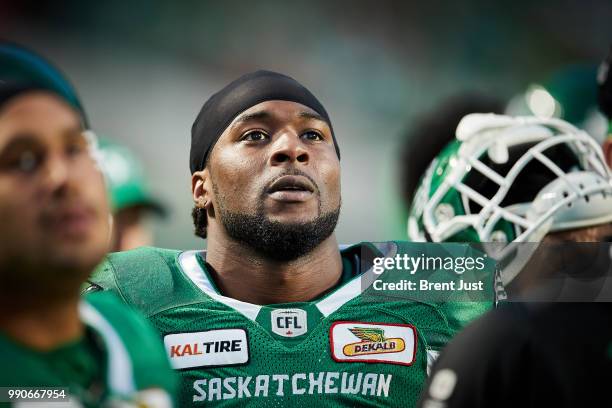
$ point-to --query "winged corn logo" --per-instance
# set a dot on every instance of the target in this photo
(373, 341)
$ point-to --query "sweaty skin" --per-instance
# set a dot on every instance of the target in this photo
(260, 146)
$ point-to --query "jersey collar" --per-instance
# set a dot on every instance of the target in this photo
(327, 305)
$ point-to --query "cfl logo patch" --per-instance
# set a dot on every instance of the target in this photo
(289, 322)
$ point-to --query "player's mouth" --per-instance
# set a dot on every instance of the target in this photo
(70, 222)
(291, 189)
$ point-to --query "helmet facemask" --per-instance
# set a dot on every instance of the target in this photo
(512, 180)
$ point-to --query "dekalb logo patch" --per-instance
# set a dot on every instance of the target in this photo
(289, 322)
(373, 342)
(211, 348)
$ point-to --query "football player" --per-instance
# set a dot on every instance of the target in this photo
(131, 200)
(54, 229)
(503, 180)
(273, 314)
(511, 181)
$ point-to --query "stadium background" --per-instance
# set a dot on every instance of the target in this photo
(144, 68)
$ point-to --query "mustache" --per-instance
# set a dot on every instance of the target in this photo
(58, 207)
(292, 171)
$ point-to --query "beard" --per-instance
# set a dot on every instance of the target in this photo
(47, 279)
(276, 240)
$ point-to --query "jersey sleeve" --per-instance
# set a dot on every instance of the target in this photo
(103, 278)
(142, 342)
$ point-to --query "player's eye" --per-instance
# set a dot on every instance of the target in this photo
(28, 162)
(76, 148)
(22, 155)
(75, 144)
(254, 136)
(25, 161)
(312, 136)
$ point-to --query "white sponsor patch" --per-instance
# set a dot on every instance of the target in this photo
(223, 347)
(289, 322)
(373, 342)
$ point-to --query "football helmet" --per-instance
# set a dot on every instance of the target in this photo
(511, 179)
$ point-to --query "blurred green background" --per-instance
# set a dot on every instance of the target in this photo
(144, 68)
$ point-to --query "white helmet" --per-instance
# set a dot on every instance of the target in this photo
(512, 179)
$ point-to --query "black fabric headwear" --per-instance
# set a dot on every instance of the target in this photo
(247, 91)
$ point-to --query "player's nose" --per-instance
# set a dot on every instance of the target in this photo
(57, 174)
(288, 148)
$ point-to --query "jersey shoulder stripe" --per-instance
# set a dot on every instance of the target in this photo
(135, 356)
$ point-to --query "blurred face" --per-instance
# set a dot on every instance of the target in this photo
(597, 233)
(581, 253)
(54, 224)
(130, 229)
(274, 178)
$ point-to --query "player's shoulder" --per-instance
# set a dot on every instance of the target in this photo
(147, 278)
(153, 260)
(145, 254)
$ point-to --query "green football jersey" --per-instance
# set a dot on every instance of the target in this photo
(119, 361)
(344, 349)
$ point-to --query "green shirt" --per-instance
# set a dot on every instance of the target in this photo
(118, 357)
(344, 349)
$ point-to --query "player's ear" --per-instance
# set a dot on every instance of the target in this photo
(201, 188)
(607, 150)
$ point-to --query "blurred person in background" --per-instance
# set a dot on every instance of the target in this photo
(54, 221)
(434, 130)
(524, 180)
(132, 202)
(568, 93)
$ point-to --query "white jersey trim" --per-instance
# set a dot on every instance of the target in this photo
(192, 268)
(353, 288)
(328, 305)
(120, 369)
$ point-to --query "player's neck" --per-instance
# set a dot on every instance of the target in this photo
(39, 324)
(242, 274)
